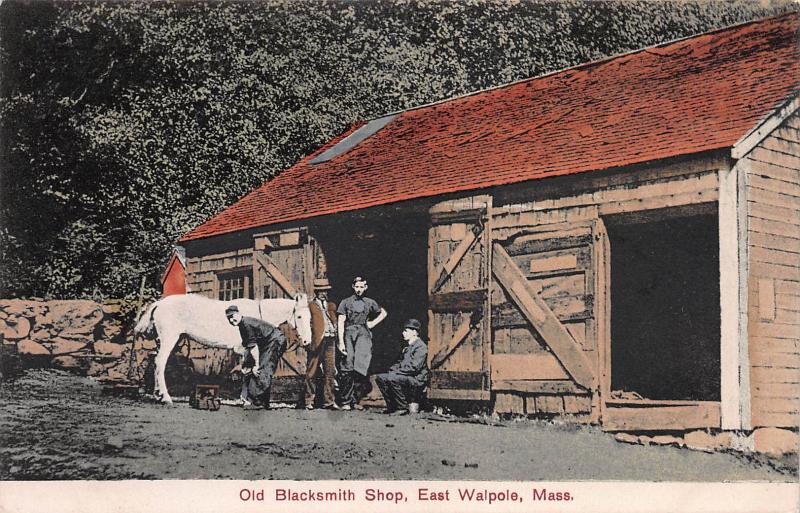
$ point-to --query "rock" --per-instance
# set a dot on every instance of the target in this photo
(666, 440)
(15, 328)
(449, 463)
(775, 441)
(67, 363)
(40, 335)
(30, 347)
(18, 307)
(700, 441)
(645, 440)
(95, 369)
(74, 317)
(63, 346)
(114, 443)
(626, 438)
(115, 374)
(109, 349)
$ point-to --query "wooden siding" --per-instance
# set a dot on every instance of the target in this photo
(773, 230)
(201, 272)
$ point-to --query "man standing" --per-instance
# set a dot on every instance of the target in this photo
(355, 342)
(265, 345)
(322, 347)
(401, 383)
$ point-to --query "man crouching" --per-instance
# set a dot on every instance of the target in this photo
(265, 345)
(401, 383)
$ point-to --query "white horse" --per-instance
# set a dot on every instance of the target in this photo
(204, 320)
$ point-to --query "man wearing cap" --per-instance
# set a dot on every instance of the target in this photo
(265, 345)
(322, 347)
(355, 343)
(404, 378)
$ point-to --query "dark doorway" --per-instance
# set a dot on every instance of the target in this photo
(389, 249)
(665, 312)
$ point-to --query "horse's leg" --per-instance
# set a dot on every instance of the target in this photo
(168, 341)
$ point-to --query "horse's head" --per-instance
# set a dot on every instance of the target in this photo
(301, 318)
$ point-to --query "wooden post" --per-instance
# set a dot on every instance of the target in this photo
(139, 305)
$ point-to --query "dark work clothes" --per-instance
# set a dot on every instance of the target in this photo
(405, 377)
(353, 387)
(271, 344)
(357, 337)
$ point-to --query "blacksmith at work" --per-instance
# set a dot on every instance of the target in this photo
(407, 377)
(265, 345)
(355, 342)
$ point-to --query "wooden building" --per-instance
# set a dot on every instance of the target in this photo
(618, 242)
(173, 280)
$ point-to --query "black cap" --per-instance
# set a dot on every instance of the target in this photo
(413, 324)
(231, 309)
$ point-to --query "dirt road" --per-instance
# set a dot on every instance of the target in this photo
(58, 426)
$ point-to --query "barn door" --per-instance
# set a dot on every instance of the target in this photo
(282, 268)
(458, 265)
(548, 314)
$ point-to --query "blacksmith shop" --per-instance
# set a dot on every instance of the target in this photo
(615, 243)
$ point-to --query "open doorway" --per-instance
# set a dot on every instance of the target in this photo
(389, 249)
(665, 306)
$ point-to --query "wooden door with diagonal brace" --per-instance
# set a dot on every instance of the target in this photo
(283, 268)
(458, 270)
(548, 312)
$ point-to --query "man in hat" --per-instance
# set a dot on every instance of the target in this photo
(265, 345)
(400, 384)
(321, 349)
(355, 343)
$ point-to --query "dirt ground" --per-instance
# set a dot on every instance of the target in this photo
(54, 425)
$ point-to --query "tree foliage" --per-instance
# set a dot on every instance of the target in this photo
(124, 125)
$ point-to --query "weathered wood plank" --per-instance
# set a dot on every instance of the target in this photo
(765, 375)
(766, 299)
(774, 213)
(665, 418)
(775, 256)
(552, 404)
(787, 317)
(776, 405)
(456, 380)
(459, 395)
(787, 287)
(774, 345)
(447, 269)
(789, 420)
(769, 184)
(270, 268)
(465, 300)
(775, 360)
(509, 403)
(777, 158)
(765, 240)
(537, 386)
(659, 202)
(543, 319)
(577, 404)
(571, 308)
(788, 302)
(774, 330)
(773, 198)
(784, 390)
(459, 336)
(529, 366)
(775, 227)
(781, 145)
(783, 272)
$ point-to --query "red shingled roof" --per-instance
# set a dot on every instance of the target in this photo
(697, 94)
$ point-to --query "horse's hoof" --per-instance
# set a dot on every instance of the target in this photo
(167, 401)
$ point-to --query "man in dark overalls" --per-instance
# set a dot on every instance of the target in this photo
(265, 345)
(402, 382)
(355, 343)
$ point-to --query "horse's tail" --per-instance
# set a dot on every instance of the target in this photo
(145, 325)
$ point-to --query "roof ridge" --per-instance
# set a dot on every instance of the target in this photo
(584, 65)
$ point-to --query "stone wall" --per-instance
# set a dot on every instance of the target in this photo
(95, 339)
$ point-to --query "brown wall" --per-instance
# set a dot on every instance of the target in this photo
(773, 229)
